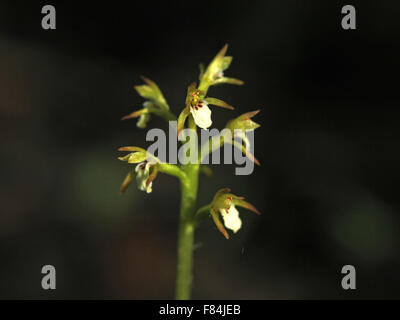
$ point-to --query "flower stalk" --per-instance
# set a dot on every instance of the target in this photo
(186, 230)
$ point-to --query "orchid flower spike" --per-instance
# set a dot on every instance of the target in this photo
(224, 204)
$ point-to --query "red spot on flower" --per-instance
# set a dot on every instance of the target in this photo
(199, 105)
(196, 108)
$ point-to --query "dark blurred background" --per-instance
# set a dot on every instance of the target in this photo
(327, 187)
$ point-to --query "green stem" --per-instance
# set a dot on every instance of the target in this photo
(172, 170)
(187, 226)
(186, 232)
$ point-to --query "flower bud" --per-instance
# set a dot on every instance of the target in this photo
(214, 74)
(150, 91)
(243, 122)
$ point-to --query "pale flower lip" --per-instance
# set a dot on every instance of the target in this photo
(201, 114)
(231, 218)
(142, 174)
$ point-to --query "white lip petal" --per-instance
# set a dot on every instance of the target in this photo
(231, 218)
(201, 115)
(142, 174)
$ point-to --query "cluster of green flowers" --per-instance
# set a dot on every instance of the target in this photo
(196, 113)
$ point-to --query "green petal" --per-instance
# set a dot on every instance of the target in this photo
(135, 114)
(127, 181)
(137, 157)
(245, 204)
(228, 80)
(218, 223)
(226, 62)
(219, 103)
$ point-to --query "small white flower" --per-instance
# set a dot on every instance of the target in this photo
(231, 218)
(142, 174)
(201, 114)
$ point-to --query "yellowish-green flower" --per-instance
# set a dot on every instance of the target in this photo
(152, 92)
(155, 104)
(145, 171)
(224, 204)
(197, 106)
(241, 124)
(214, 74)
(196, 100)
